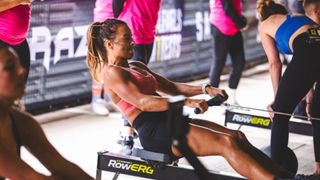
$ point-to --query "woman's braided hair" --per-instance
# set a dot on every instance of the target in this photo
(97, 33)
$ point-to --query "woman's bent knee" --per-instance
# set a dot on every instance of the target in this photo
(240, 136)
(228, 143)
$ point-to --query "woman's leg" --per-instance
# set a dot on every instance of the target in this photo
(294, 85)
(204, 142)
(221, 48)
(244, 144)
(237, 59)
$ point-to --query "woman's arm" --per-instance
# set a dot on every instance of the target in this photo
(34, 139)
(7, 4)
(173, 88)
(275, 65)
(309, 98)
(12, 167)
(118, 81)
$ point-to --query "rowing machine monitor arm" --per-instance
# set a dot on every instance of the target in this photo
(178, 127)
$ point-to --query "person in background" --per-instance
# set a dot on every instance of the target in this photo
(312, 9)
(141, 17)
(290, 34)
(14, 26)
(100, 100)
(295, 6)
(227, 23)
(19, 129)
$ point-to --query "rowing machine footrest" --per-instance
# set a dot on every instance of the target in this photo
(153, 158)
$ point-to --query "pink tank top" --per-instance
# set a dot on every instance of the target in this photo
(14, 24)
(145, 82)
(102, 10)
(141, 16)
(219, 18)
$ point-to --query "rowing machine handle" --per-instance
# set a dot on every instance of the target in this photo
(215, 101)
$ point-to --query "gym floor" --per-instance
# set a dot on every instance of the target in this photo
(78, 134)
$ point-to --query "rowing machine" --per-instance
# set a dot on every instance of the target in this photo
(135, 166)
(295, 125)
(157, 165)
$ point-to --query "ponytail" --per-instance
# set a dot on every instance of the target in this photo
(96, 50)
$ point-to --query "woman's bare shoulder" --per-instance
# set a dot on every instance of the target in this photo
(25, 122)
(20, 115)
(110, 69)
(270, 25)
(112, 73)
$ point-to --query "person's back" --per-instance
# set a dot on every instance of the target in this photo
(284, 28)
(288, 30)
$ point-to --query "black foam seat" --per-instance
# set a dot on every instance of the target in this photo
(153, 156)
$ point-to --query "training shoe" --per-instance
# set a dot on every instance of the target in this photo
(127, 145)
(123, 134)
(99, 107)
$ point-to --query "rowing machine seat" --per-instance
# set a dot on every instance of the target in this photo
(154, 158)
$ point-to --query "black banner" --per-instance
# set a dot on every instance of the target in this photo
(57, 39)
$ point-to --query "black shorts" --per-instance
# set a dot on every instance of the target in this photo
(153, 135)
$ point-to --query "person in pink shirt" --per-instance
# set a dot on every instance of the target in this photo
(227, 20)
(14, 26)
(141, 17)
(102, 10)
(99, 101)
